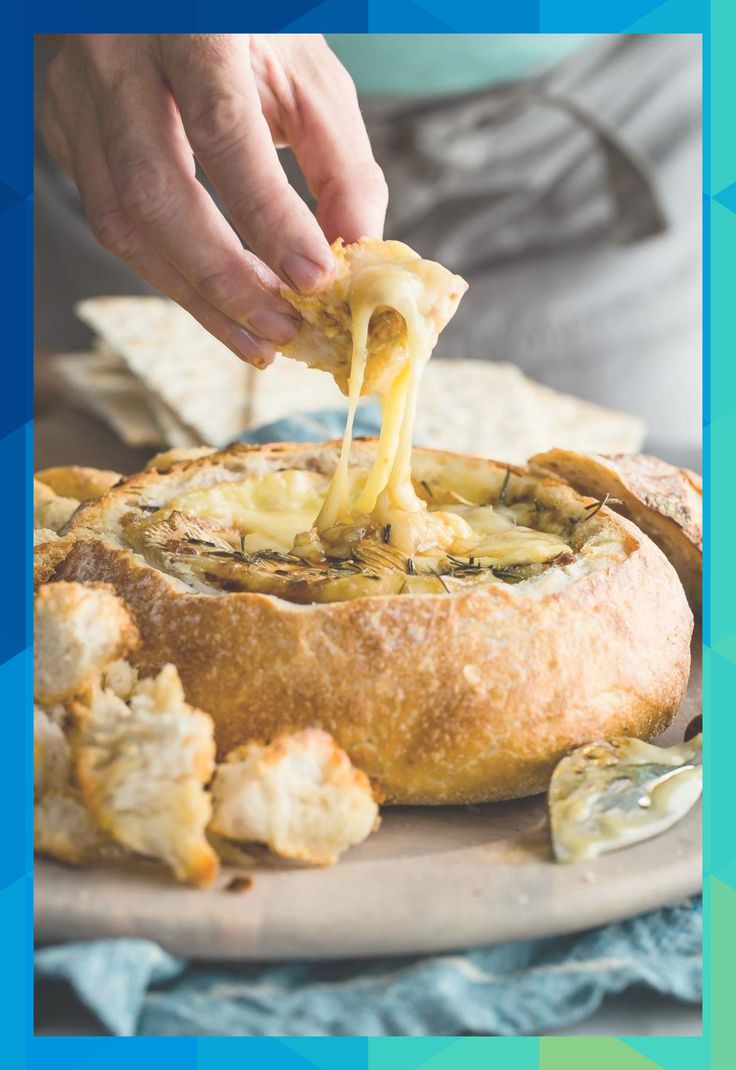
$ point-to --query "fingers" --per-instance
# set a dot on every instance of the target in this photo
(152, 172)
(217, 96)
(330, 141)
(116, 231)
(54, 136)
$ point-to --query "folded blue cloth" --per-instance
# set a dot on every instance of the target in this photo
(316, 426)
(136, 988)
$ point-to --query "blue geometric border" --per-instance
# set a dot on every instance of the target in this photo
(717, 23)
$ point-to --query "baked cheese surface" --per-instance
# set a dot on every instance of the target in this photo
(365, 524)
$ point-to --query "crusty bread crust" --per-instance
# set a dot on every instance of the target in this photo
(48, 550)
(664, 501)
(51, 510)
(442, 698)
(73, 481)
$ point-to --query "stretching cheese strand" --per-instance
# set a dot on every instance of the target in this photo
(388, 496)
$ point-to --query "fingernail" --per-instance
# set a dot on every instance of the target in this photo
(304, 274)
(260, 363)
(257, 351)
(276, 326)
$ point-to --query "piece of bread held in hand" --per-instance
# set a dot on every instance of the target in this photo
(375, 271)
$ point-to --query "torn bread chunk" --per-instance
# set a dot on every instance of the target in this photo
(370, 273)
(62, 825)
(64, 829)
(142, 767)
(79, 630)
(300, 795)
(120, 677)
(43, 535)
(664, 501)
(52, 759)
(49, 550)
(51, 510)
(84, 484)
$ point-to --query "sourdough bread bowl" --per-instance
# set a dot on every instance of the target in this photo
(457, 685)
(664, 501)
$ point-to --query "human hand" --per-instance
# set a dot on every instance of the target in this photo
(127, 115)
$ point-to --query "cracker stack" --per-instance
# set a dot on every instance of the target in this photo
(158, 379)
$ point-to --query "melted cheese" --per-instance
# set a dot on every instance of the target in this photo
(388, 497)
(299, 510)
(496, 539)
(274, 506)
(608, 795)
(271, 509)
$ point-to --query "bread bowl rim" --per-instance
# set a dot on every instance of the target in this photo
(89, 520)
(447, 698)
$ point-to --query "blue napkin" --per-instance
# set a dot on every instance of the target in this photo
(528, 988)
(316, 426)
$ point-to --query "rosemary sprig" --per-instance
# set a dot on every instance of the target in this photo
(387, 533)
(441, 578)
(465, 566)
(595, 507)
(504, 487)
(509, 573)
(278, 556)
(411, 568)
(589, 511)
(352, 568)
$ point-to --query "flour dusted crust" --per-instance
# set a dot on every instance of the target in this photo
(439, 698)
(166, 459)
(664, 501)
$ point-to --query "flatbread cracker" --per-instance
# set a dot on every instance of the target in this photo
(177, 359)
(111, 394)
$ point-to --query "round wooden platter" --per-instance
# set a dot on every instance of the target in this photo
(431, 879)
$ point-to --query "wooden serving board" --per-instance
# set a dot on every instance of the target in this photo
(431, 879)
